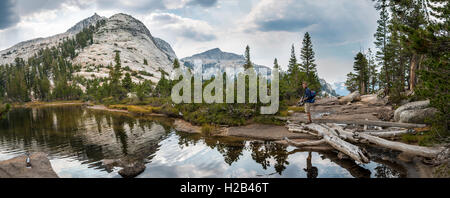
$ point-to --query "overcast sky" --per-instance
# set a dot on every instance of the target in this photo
(339, 28)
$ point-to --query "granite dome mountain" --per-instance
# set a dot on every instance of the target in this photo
(120, 32)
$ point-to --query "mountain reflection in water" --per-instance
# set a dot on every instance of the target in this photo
(78, 139)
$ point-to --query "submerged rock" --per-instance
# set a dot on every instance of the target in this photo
(132, 170)
(353, 97)
(17, 167)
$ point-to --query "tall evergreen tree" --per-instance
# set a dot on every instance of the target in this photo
(307, 56)
(248, 63)
(176, 63)
(372, 72)
(434, 77)
(127, 83)
(293, 68)
(361, 68)
(381, 41)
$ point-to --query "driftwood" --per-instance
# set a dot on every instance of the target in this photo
(388, 134)
(362, 137)
(359, 122)
(341, 140)
(307, 143)
(333, 140)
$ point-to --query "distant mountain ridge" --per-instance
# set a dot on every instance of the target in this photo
(327, 89)
(217, 59)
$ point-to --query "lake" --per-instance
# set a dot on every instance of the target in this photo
(77, 139)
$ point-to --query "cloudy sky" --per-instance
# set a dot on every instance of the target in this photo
(339, 28)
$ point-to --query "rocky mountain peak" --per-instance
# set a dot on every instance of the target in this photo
(217, 54)
(85, 23)
(129, 23)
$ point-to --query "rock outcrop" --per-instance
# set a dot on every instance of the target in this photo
(414, 112)
(373, 99)
(353, 97)
(17, 167)
(181, 125)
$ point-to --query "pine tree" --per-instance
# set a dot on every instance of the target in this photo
(361, 68)
(248, 63)
(411, 25)
(372, 72)
(381, 40)
(176, 63)
(127, 83)
(434, 78)
(307, 56)
(293, 68)
(117, 90)
(308, 66)
(352, 82)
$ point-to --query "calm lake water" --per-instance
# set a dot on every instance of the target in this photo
(77, 139)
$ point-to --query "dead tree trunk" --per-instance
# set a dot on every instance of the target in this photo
(361, 137)
(333, 140)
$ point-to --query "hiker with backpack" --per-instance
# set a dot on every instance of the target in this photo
(308, 99)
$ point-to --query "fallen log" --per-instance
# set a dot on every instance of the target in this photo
(358, 122)
(299, 129)
(388, 134)
(333, 140)
(307, 143)
(412, 149)
(362, 137)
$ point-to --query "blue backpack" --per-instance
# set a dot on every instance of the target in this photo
(313, 95)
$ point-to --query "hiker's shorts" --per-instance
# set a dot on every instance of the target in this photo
(307, 107)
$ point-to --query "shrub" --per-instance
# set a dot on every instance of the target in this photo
(207, 128)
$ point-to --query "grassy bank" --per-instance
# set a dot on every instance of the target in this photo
(198, 114)
(50, 103)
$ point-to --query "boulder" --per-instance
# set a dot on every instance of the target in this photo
(417, 116)
(373, 99)
(17, 167)
(410, 106)
(132, 170)
(353, 97)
